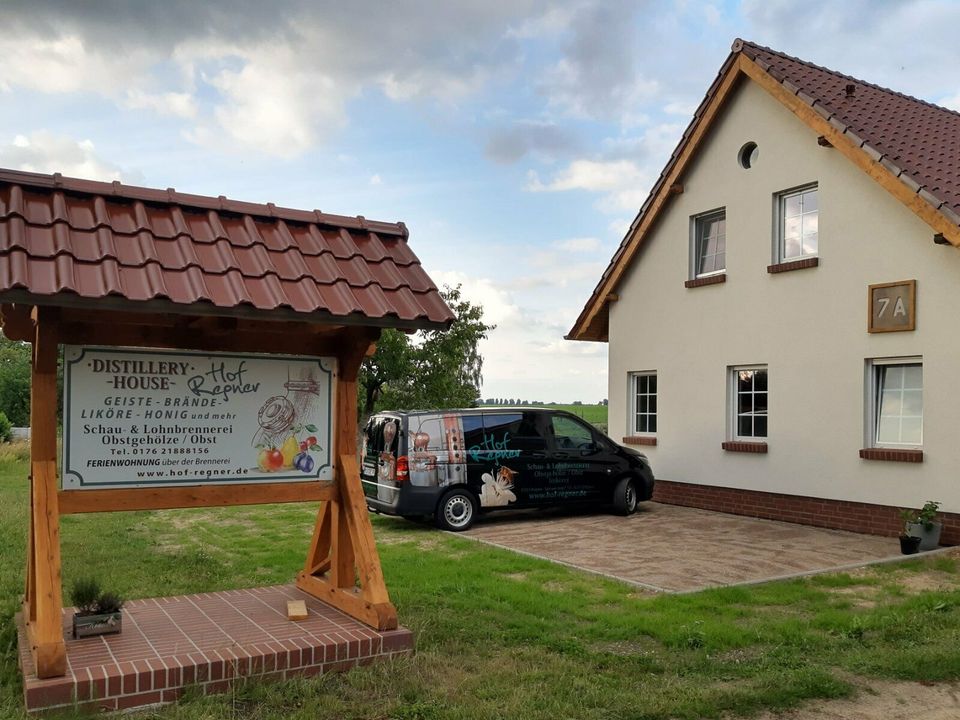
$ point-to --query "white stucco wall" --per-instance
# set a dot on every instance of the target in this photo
(808, 326)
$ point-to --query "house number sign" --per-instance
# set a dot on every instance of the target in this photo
(892, 306)
(153, 418)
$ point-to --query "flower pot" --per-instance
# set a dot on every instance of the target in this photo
(929, 539)
(909, 545)
(90, 625)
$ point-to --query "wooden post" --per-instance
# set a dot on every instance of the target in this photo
(43, 605)
(343, 548)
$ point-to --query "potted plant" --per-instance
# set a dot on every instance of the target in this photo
(97, 613)
(926, 527)
(909, 544)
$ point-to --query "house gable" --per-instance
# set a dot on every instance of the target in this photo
(915, 179)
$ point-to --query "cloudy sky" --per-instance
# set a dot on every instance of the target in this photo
(515, 138)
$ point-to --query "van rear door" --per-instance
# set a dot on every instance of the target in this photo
(378, 469)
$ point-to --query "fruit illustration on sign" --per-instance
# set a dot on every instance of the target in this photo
(277, 443)
(290, 449)
(303, 462)
(274, 459)
(262, 460)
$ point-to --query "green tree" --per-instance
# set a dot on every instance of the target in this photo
(434, 369)
(15, 381)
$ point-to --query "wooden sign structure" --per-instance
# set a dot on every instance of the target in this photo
(103, 264)
(342, 566)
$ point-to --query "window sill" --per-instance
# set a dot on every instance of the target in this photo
(639, 440)
(802, 264)
(745, 447)
(708, 280)
(892, 455)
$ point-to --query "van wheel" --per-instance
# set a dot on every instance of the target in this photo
(625, 497)
(456, 510)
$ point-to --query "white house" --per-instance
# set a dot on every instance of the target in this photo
(782, 313)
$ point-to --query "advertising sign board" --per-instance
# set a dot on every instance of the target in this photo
(154, 418)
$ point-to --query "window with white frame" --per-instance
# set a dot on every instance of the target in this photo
(709, 256)
(748, 402)
(643, 403)
(798, 224)
(895, 405)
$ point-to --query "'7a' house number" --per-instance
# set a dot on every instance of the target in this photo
(893, 306)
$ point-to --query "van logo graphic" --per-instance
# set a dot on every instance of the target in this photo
(490, 449)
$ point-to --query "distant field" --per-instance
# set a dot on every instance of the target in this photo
(596, 414)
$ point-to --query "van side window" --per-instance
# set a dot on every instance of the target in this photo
(518, 429)
(472, 430)
(569, 434)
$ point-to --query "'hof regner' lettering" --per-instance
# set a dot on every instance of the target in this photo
(220, 381)
(148, 418)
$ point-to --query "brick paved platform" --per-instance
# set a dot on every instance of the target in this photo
(668, 548)
(208, 641)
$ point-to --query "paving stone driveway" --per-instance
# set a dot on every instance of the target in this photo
(675, 549)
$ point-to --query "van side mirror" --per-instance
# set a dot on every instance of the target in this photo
(589, 448)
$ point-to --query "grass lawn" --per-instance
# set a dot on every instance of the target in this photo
(503, 635)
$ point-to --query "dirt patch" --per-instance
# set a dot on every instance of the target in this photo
(885, 701)
(863, 597)
(431, 542)
(518, 576)
(740, 655)
(186, 521)
(927, 581)
(627, 648)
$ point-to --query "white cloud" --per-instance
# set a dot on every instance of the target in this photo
(431, 83)
(599, 74)
(952, 102)
(45, 152)
(591, 175)
(619, 226)
(623, 182)
(684, 109)
(526, 356)
(63, 64)
(552, 22)
(275, 106)
(273, 77)
(168, 103)
(578, 245)
(375, 179)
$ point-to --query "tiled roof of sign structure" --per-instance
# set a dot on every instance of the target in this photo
(916, 142)
(74, 238)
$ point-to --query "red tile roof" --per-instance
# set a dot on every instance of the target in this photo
(69, 238)
(916, 142)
